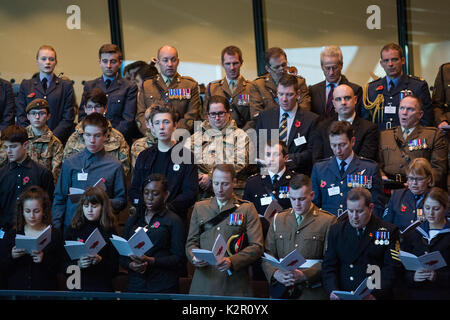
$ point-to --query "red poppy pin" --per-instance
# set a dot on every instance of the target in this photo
(370, 235)
(26, 180)
(380, 88)
(155, 225)
(31, 95)
(80, 240)
(323, 184)
(403, 208)
(297, 124)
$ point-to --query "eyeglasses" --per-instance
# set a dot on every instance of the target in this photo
(416, 179)
(215, 114)
(36, 113)
(329, 68)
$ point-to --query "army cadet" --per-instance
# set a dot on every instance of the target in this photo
(219, 140)
(331, 62)
(263, 93)
(360, 240)
(334, 177)
(121, 93)
(58, 92)
(381, 97)
(233, 87)
(7, 104)
(400, 145)
(232, 218)
(170, 87)
(143, 143)
(441, 96)
(406, 205)
(292, 124)
(43, 146)
(115, 145)
(304, 227)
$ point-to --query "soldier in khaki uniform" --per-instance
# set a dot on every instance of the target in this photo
(43, 146)
(234, 87)
(239, 216)
(170, 87)
(304, 227)
(263, 93)
(217, 141)
(143, 143)
(115, 145)
(400, 145)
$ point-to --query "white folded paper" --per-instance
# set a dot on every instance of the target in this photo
(291, 261)
(358, 294)
(212, 256)
(137, 245)
(76, 193)
(92, 246)
(428, 261)
(34, 244)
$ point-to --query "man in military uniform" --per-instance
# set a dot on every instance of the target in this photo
(293, 125)
(219, 140)
(232, 218)
(7, 104)
(381, 97)
(360, 240)
(263, 93)
(410, 140)
(304, 227)
(143, 143)
(331, 62)
(170, 87)
(334, 177)
(121, 93)
(234, 87)
(115, 145)
(366, 133)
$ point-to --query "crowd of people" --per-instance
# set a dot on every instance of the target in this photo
(349, 177)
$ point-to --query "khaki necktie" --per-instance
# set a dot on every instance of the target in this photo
(232, 85)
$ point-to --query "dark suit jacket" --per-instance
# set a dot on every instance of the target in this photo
(300, 157)
(61, 99)
(366, 139)
(345, 263)
(319, 100)
(7, 104)
(122, 95)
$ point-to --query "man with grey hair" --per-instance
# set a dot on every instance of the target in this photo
(331, 62)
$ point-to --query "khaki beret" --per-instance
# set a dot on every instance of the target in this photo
(38, 104)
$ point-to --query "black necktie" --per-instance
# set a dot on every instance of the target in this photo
(391, 86)
(108, 83)
(44, 84)
(274, 179)
(342, 171)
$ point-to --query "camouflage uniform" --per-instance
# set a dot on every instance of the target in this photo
(115, 146)
(140, 145)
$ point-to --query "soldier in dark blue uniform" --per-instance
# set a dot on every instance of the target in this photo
(360, 239)
(58, 92)
(334, 177)
(406, 205)
(7, 104)
(121, 93)
(381, 97)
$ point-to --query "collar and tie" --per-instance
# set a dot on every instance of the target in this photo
(274, 179)
(44, 84)
(168, 81)
(107, 83)
(391, 86)
(232, 85)
(406, 133)
(283, 127)
(342, 169)
(299, 218)
(330, 106)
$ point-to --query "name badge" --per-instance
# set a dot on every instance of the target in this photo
(333, 191)
(390, 109)
(266, 201)
(300, 140)
(82, 176)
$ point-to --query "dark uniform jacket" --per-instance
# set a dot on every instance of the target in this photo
(305, 122)
(319, 98)
(441, 95)
(239, 99)
(325, 175)
(347, 257)
(61, 99)
(418, 242)
(7, 104)
(419, 88)
(395, 153)
(366, 145)
(182, 94)
(122, 95)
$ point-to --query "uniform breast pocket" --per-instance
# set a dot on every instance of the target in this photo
(313, 243)
(115, 105)
(388, 153)
(283, 241)
(46, 158)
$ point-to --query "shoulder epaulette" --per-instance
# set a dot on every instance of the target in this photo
(241, 201)
(215, 81)
(416, 78)
(324, 159)
(375, 80)
(366, 159)
(188, 78)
